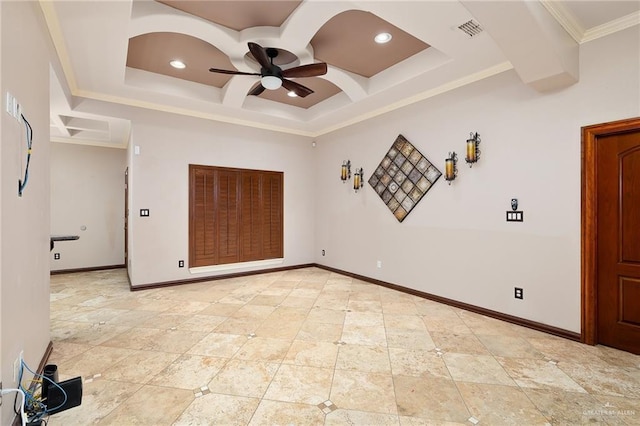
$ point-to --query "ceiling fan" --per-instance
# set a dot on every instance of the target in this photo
(272, 77)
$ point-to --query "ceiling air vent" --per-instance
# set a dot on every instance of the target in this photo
(471, 28)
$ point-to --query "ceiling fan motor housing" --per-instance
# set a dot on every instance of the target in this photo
(271, 53)
(271, 75)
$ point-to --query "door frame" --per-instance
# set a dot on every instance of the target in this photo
(126, 219)
(589, 218)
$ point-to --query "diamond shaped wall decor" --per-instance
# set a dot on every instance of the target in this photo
(403, 177)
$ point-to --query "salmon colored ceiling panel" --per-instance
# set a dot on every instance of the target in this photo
(239, 14)
(153, 52)
(346, 42)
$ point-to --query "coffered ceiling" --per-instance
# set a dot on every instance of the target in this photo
(119, 51)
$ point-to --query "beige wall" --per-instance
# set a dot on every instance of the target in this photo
(456, 242)
(159, 182)
(87, 190)
(24, 224)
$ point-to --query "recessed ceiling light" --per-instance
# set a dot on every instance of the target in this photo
(177, 64)
(383, 38)
(292, 94)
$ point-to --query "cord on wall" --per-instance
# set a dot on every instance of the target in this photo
(22, 183)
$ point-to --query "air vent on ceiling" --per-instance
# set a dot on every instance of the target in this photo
(471, 28)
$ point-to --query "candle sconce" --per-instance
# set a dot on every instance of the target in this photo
(451, 167)
(358, 181)
(473, 151)
(345, 171)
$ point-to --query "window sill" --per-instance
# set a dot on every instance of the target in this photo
(230, 266)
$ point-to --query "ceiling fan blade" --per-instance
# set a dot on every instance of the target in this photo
(260, 54)
(256, 90)
(298, 88)
(311, 70)
(232, 72)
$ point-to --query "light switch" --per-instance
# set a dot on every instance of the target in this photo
(144, 212)
(515, 216)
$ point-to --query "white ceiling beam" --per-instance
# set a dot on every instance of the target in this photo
(542, 52)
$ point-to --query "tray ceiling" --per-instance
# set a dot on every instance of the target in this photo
(346, 42)
(120, 52)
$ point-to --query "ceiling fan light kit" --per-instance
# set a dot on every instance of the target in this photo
(272, 77)
(271, 82)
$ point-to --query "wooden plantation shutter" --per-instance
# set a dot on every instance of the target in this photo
(251, 238)
(235, 215)
(272, 215)
(202, 232)
(226, 216)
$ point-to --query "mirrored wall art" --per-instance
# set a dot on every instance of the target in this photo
(403, 177)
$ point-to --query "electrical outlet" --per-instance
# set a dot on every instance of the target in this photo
(12, 106)
(379, 263)
(518, 293)
(56, 256)
(9, 104)
(323, 252)
(180, 263)
(17, 365)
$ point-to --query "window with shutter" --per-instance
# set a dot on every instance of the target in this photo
(235, 215)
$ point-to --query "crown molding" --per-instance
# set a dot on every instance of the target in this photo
(611, 27)
(480, 75)
(57, 38)
(486, 73)
(188, 112)
(565, 18)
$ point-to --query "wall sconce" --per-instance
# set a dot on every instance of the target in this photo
(450, 167)
(345, 173)
(357, 179)
(473, 152)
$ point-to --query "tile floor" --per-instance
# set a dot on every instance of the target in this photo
(310, 347)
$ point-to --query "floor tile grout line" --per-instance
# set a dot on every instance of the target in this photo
(607, 360)
(335, 363)
(455, 383)
(493, 356)
(272, 378)
(393, 382)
